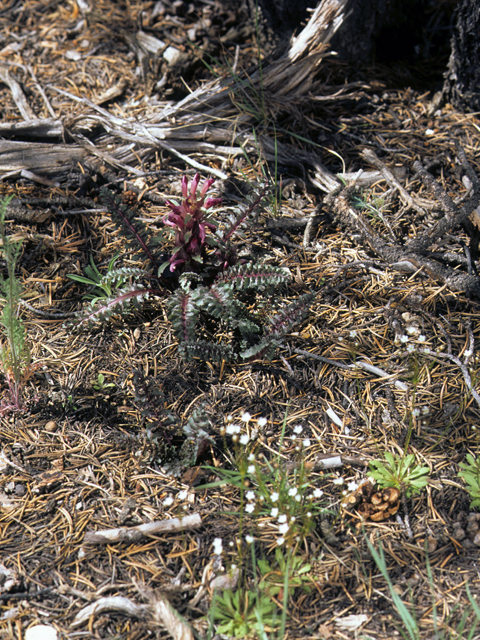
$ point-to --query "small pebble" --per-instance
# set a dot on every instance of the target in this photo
(41, 632)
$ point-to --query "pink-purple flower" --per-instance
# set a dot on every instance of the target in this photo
(190, 221)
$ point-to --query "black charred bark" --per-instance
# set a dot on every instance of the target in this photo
(462, 80)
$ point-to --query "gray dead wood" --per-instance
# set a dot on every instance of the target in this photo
(216, 119)
(133, 534)
(415, 256)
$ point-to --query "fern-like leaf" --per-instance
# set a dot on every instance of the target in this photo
(251, 275)
(183, 312)
(197, 440)
(291, 315)
(150, 400)
(205, 350)
(136, 232)
(123, 299)
(280, 324)
(242, 216)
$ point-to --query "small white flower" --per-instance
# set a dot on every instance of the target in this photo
(292, 519)
(231, 543)
(421, 338)
(404, 338)
(425, 411)
(298, 498)
(229, 418)
(294, 437)
(338, 481)
(467, 353)
(282, 518)
(250, 495)
(274, 496)
(261, 422)
(429, 132)
(246, 417)
(283, 528)
(309, 514)
(317, 493)
(416, 412)
(353, 334)
(351, 486)
(217, 546)
(410, 348)
(168, 501)
(232, 429)
(298, 428)
(280, 541)
(182, 494)
(411, 330)
(274, 512)
(251, 457)
(293, 491)
(244, 438)
(248, 540)
(306, 442)
(251, 469)
(250, 508)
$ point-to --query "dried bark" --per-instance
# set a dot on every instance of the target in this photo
(462, 79)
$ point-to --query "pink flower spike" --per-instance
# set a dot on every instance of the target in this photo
(206, 185)
(185, 186)
(194, 185)
(212, 202)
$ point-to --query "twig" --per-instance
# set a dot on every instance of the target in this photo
(17, 94)
(133, 534)
(119, 604)
(360, 364)
(53, 315)
(371, 156)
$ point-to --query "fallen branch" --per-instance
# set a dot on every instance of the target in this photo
(213, 119)
(133, 534)
(159, 610)
(414, 256)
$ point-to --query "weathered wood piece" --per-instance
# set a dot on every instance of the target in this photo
(208, 121)
(133, 534)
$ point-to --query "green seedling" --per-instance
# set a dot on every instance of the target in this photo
(243, 614)
(104, 285)
(470, 472)
(100, 385)
(400, 471)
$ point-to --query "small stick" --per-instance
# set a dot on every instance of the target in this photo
(133, 534)
(371, 156)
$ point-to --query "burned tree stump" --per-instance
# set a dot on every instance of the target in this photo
(462, 79)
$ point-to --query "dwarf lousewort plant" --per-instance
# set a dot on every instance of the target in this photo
(211, 292)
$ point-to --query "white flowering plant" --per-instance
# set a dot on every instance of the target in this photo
(278, 494)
